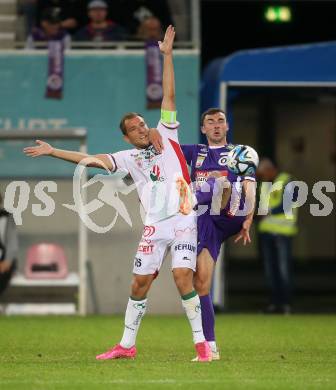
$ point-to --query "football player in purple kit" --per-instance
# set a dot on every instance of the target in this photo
(208, 163)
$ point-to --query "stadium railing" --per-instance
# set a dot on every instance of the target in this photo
(79, 134)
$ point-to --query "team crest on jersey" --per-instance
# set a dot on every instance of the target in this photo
(155, 174)
(201, 156)
(200, 160)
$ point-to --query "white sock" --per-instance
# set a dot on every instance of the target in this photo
(134, 313)
(213, 346)
(192, 307)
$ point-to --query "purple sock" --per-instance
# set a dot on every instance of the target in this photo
(208, 318)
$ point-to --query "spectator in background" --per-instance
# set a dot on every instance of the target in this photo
(182, 14)
(131, 13)
(276, 231)
(8, 247)
(51, 29)
(70, 12)
(100, 28)
(150, 29)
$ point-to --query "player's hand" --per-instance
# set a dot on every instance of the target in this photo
(155, 139)
(43, 149)
(166, 46)
(245, 232)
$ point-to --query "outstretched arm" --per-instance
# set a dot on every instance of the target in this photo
(45, 149)
(168, 82)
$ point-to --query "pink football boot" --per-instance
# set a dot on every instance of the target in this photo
(203, 352)
(118, 352)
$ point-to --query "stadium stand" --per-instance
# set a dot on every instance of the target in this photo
(8, 19)
(18, 17)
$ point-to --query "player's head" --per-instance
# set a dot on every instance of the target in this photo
(267, 169)
(214, 126)
(135, 130)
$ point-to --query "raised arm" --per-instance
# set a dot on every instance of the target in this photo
(45, 149)
(168, 82)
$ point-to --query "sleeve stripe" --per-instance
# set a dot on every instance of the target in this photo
(113, 161)
(250, 178)
(183, 163)
(171, 126)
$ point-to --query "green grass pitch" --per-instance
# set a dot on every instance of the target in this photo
(258, 352)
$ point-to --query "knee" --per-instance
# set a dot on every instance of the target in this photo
(183, 277)
(139, 285)
(201, 284)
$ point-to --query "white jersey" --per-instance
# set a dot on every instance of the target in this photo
(155, 174)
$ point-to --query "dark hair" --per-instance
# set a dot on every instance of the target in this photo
(210, 111)
(129, 115)
(51, 15)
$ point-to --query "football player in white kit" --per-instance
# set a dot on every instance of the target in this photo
(160, 180)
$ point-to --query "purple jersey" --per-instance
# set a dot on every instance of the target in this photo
(204, 159)
(213, 229)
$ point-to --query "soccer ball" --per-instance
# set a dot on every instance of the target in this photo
(242, 160)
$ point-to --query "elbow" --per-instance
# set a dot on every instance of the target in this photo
(171, 97)
(91, 161)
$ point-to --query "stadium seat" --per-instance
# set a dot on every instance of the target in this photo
(46, 261)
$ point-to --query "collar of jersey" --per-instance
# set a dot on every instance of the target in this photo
(218, 147)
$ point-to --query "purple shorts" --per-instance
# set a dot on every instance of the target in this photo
(213, 230)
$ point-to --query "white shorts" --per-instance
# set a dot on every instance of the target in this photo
(177, 233)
